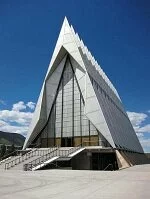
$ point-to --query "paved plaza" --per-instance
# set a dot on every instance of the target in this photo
(132, 183)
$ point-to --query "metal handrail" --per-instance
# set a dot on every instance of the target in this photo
(26, 156)
(74, 149)
(108, 166)
(19, 159)
(58, 152)
(40, 160)
(8, 155)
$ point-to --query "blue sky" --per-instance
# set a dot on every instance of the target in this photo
(116, 32)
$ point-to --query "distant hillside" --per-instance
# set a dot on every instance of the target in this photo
(11, 138)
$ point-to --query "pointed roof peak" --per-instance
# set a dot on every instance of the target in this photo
(65, 26)
(66, 21)
(65, 18)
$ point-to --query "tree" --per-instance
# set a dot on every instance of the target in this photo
(11, 149)
(3, 150)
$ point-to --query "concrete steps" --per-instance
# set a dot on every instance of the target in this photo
(3, 162)
(18, 162)
(39, 158)
(20, 166)
(59, 154)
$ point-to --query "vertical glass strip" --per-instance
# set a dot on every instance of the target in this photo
(81, 118)
(62, 109)
(89, 134)
(73, 110)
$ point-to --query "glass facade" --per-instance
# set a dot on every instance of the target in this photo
(67, 125)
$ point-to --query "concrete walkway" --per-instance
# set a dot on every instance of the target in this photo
(132, 183)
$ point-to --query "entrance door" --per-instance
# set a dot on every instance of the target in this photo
(63, 142)
(66, 142)
(69, 142)
(104, 161)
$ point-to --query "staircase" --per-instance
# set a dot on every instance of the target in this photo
(62, 152)
(38, 158)
(3, 162)
(17, 162)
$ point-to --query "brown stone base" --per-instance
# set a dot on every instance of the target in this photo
(84, 141)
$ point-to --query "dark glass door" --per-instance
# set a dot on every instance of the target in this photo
(69, 142)
(66, 142)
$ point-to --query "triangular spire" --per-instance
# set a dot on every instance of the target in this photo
(64, 28)
(66, 20)
(100, 104)
(68, 40)
(67, 26)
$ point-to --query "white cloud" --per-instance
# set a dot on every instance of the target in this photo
(140, 135)
(22, 106)
(136, 118)
(18, 119)
(31, 105)
(145, 142)
(21, 118)
(7, 127)
(19, 106)
(2, 123)
(144, 129)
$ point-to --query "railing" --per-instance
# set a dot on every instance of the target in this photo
(28, 155)
(74, 149)
(38, 161)
(20, 159)
(57, 153)
(8, 156)
(109, 165)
